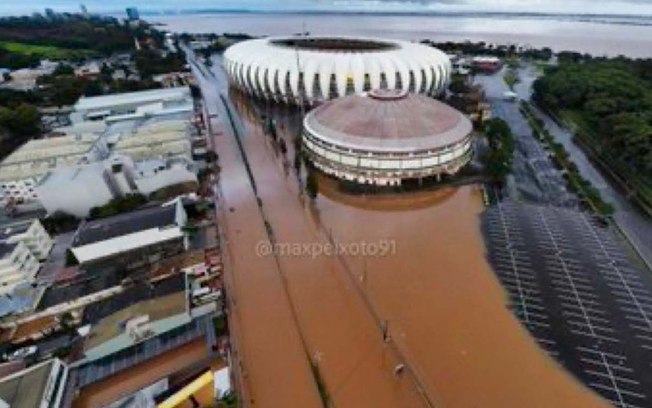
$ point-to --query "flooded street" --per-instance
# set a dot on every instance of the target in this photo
(444, 305)
(433, 297)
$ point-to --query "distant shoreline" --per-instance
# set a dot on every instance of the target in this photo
(601, 35)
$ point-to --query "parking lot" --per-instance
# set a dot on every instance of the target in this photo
(572, 285)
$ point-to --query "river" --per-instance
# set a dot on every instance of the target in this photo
(599, 36)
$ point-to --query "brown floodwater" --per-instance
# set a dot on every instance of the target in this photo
(445, 306)
(275, 367)
(442, 304)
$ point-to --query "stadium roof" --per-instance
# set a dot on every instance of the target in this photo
(388, 121)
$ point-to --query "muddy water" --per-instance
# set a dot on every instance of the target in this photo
(443, 303)
(275, 364)
(344, 340)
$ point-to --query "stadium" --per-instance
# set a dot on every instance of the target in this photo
(310, 70)
(385, 137)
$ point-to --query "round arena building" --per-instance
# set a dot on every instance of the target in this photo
(385, 137)
(315, 69)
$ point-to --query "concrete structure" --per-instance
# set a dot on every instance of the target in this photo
(77, 189)
(30, 233)
(386, 137)
(22, 170)
(314, 69)
(39, 386)
(132, 239)
(22, 247)
(133, 104)
(18, 266)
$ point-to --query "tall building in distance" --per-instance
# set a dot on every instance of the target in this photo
(132, 14)
(84, 10)
(50, 14)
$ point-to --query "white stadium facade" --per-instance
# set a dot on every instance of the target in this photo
(316, 69)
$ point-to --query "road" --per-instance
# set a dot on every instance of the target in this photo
(636, 226)
(333, 328)
(271, 359)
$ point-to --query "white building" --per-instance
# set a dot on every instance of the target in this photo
(313, 69)
(32, 234)
(137, 104)
(76, 190)
(39, 386)
(22, 246)
(17, 266)
(22, 170)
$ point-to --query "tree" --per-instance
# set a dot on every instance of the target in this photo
(24, 120)
(312, 185)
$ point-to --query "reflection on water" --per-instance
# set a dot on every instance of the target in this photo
(329, 188)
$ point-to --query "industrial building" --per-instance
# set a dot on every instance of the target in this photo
(132, 239)
(22, 170)
(133, 105)
(387, 136)
(313, 69)
(96, 184)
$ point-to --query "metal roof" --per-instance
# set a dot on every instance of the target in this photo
(401, 123)
(124, 224)
(131, 98)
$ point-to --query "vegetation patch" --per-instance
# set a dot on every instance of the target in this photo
(45, 51)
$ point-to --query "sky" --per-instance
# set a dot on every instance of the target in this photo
(635, 7)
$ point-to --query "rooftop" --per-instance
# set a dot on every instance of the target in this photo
(141, 97)
(388, 120)
(335, 44)
(124, 224)
(25, 389)
(156, 309)
(38, 156)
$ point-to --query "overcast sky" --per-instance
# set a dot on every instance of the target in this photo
(560, 6)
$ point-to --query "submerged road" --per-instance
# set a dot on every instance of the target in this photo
(302, 309)
(271, 359)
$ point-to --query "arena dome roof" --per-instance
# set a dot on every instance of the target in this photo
(388, 120)
(321, 68)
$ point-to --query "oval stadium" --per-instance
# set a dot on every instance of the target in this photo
(385, 137)
(313, 69)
